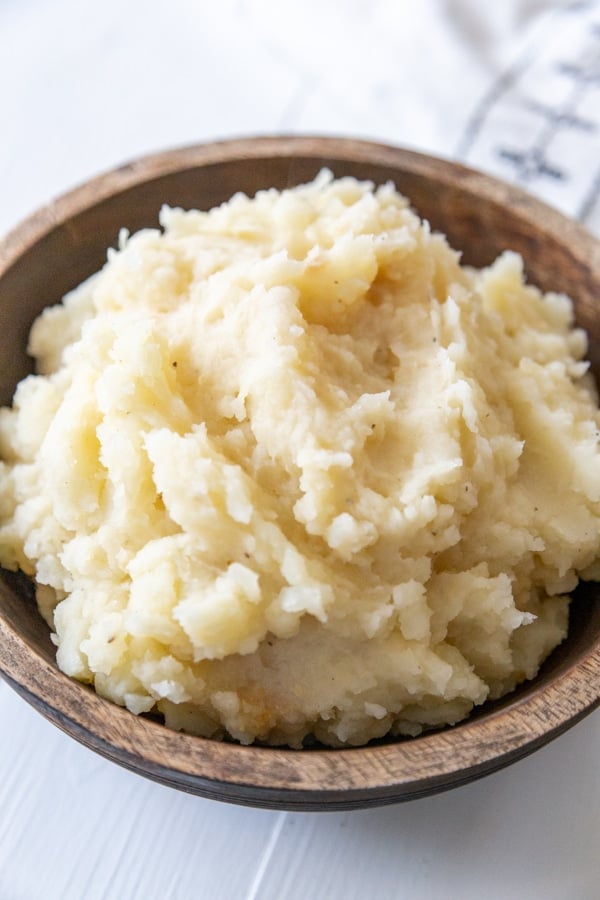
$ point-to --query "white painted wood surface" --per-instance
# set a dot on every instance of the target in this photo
(74, 826)
(90, 85)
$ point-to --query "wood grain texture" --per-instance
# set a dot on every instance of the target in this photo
(63, 243)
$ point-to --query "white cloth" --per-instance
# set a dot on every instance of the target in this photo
(511, 87)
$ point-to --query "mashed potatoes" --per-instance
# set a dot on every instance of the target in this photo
(287, 469)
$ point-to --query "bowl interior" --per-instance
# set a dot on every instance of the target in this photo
(57, 248)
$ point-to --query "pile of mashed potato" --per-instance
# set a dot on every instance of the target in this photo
(288, 471)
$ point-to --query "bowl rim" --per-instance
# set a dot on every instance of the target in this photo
(147, 167)
(273, 777)
(282, 778)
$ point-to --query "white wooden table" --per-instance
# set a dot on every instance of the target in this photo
(513, 88)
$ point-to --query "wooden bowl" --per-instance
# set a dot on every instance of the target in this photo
(64, 242)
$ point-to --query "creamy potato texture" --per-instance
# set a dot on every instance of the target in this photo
(287, 469)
